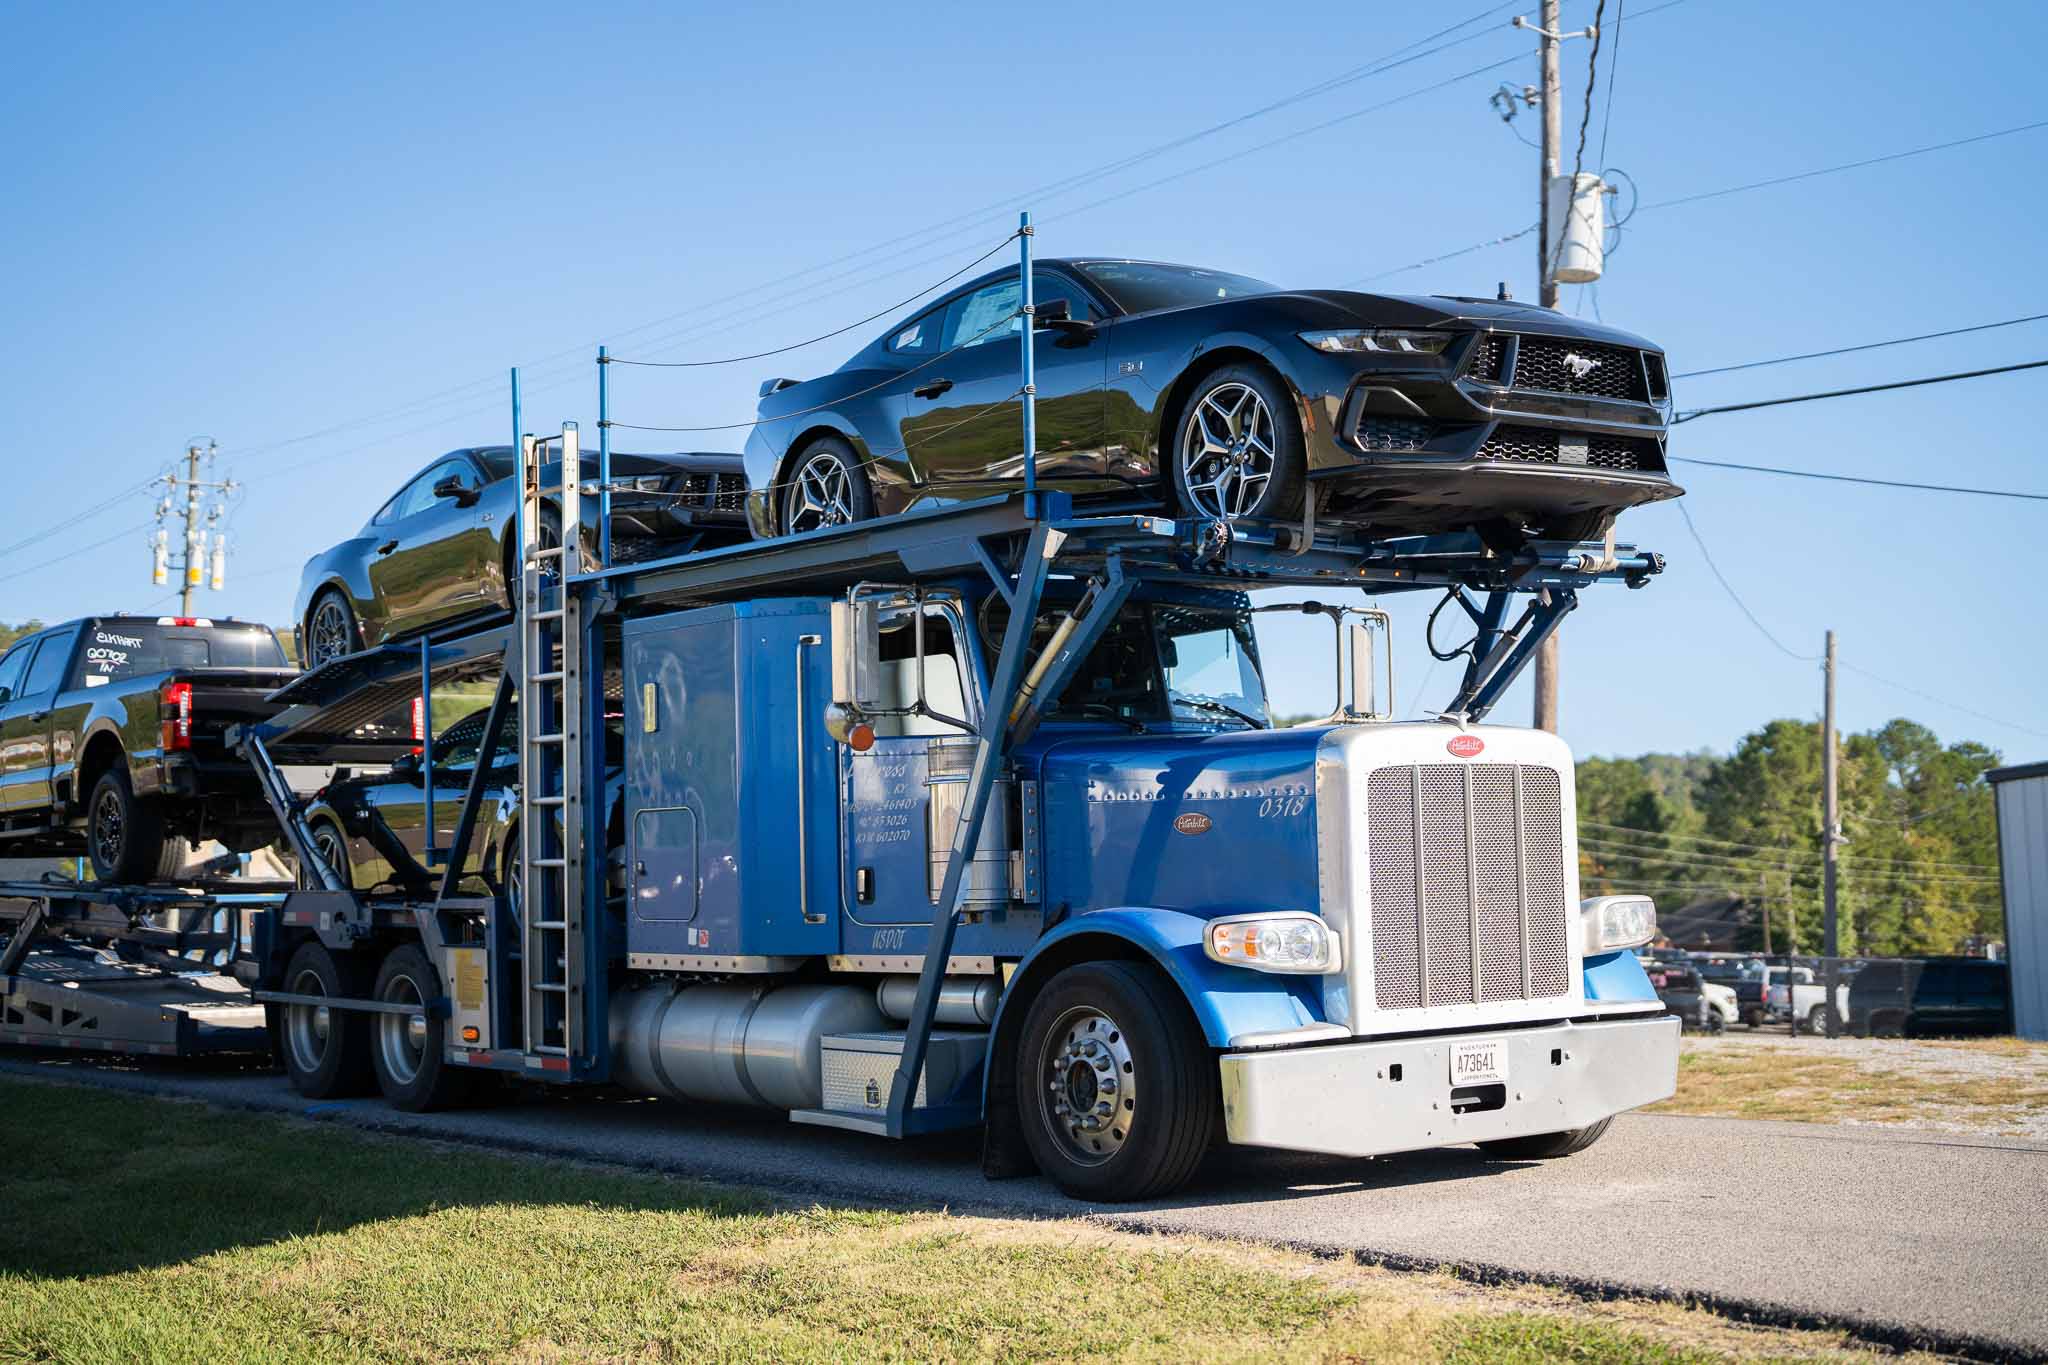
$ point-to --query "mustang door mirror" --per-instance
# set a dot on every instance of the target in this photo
(1057, 315)
(454, 487)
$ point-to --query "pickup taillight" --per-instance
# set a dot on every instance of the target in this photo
(177, 716)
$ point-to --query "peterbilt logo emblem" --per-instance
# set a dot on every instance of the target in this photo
(1467, 746)
(1194, 822)
(1580, 365)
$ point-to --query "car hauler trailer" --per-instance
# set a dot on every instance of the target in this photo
(944, 819)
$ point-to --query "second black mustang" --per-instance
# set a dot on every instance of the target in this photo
(1228, 397)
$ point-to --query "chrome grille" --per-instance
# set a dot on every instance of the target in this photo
(1466, 864)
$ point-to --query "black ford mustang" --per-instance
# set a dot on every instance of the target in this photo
(443, 546)
(1228, 397)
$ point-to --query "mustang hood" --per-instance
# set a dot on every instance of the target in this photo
(1436, 310)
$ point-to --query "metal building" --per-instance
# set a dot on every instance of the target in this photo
(2021, 795)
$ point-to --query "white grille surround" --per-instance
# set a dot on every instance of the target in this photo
(1453, 875)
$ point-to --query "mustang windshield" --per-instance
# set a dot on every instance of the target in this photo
(1143, 287)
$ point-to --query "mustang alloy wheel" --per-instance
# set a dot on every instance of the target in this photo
(1237, 449)
(330, 631)
(827, 488)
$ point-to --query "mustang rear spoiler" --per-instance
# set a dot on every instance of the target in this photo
(769, 386)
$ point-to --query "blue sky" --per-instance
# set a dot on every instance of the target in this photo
(260, 223)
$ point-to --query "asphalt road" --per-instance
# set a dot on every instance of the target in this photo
(1910, 1236)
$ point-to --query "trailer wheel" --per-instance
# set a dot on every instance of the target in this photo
(326, 1052)
(126, 834)
(1117, 1089)
(1543, 1146)
(411, 1049)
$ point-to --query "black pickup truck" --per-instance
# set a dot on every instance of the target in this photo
(112, 740)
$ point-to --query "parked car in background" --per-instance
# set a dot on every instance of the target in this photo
(1798, 993)
(1680, 986)
(1744, 975)
(1933, 997)
(443, 546)
(112, 740)
(1723, 1001)
(1225, 396)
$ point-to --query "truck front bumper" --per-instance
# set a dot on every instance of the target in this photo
(1373, 1098)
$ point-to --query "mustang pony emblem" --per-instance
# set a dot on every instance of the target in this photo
(1580, 365)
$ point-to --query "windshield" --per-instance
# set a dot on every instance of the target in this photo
(1142, 287)
(134, 649)
(1165, 661)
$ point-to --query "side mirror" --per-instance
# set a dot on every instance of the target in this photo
(856, 672)
(1363, 692)
(453, 487)
(406, 765)
(1057, 315)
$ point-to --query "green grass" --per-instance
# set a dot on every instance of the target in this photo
(1815, 1087)
(147, 1229)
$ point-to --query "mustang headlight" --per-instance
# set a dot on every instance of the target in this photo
(1283, 941)
(1380, 339)
(1612, 922)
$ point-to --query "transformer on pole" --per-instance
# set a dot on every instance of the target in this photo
(202, 528)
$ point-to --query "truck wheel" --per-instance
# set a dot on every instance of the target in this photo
(411, 1051)
(1543, 1146)
(326, 1051)
(1753, 1018)
(1117, 1089)
(1817, 1021)
(126, 834)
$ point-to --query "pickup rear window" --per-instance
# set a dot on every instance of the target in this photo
(114, 650)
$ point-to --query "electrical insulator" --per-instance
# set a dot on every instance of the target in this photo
(219, 577)
(160, 559)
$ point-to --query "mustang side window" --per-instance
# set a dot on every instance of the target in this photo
(920, 336)
(978, 317)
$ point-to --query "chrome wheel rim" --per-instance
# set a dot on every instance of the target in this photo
(307, 1026)
(1228, 452)
(402, 1038)
(1088, 1085)
(109, 828)
(330, 633)
(820, 495)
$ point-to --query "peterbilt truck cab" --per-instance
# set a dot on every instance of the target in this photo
(1355, 936)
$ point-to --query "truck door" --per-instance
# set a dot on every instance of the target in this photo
(884, 802)
(25, 748)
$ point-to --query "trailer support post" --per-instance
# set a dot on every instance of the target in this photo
(1030, 361)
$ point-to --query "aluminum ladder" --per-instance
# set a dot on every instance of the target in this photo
(551, 780)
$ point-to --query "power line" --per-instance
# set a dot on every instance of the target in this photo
(90, 512)
(1856, 478)
(1845, 166)
(1867, 346)
(1786, 859)
(1849, 393)
(1943, 701)
(1607, 106)
(798, 346)
(1736, 597)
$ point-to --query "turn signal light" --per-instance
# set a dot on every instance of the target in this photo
(1290, 941)
(470, 1033)
(177, 716)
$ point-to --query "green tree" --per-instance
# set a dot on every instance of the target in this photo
(9, 634)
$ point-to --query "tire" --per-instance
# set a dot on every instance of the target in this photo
(1237, 448)
(1817, 1021)
(325, 1057)
(1546, 1146)
(1753, 1018)
(333, 846)
(331, 630)
(827, 486)
(126, 836)
(410, 1050)
(1120, 1024)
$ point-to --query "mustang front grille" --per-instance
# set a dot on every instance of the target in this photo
(1466, 863)
(1394, 433)
(1547, 445)
(1577, 367)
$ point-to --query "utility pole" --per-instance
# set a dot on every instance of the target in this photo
(200, 523)
(1831, 838)
(1763, 901)
(1548, 40)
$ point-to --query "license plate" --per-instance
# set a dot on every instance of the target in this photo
(1571, 448)
(1479, 1063)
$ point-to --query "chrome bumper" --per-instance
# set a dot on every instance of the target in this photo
(1343, 1099)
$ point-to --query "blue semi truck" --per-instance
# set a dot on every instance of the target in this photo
(979, 816)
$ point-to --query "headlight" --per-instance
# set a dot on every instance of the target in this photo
(1379, 340)
(1289, 941)
(1611, 922)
